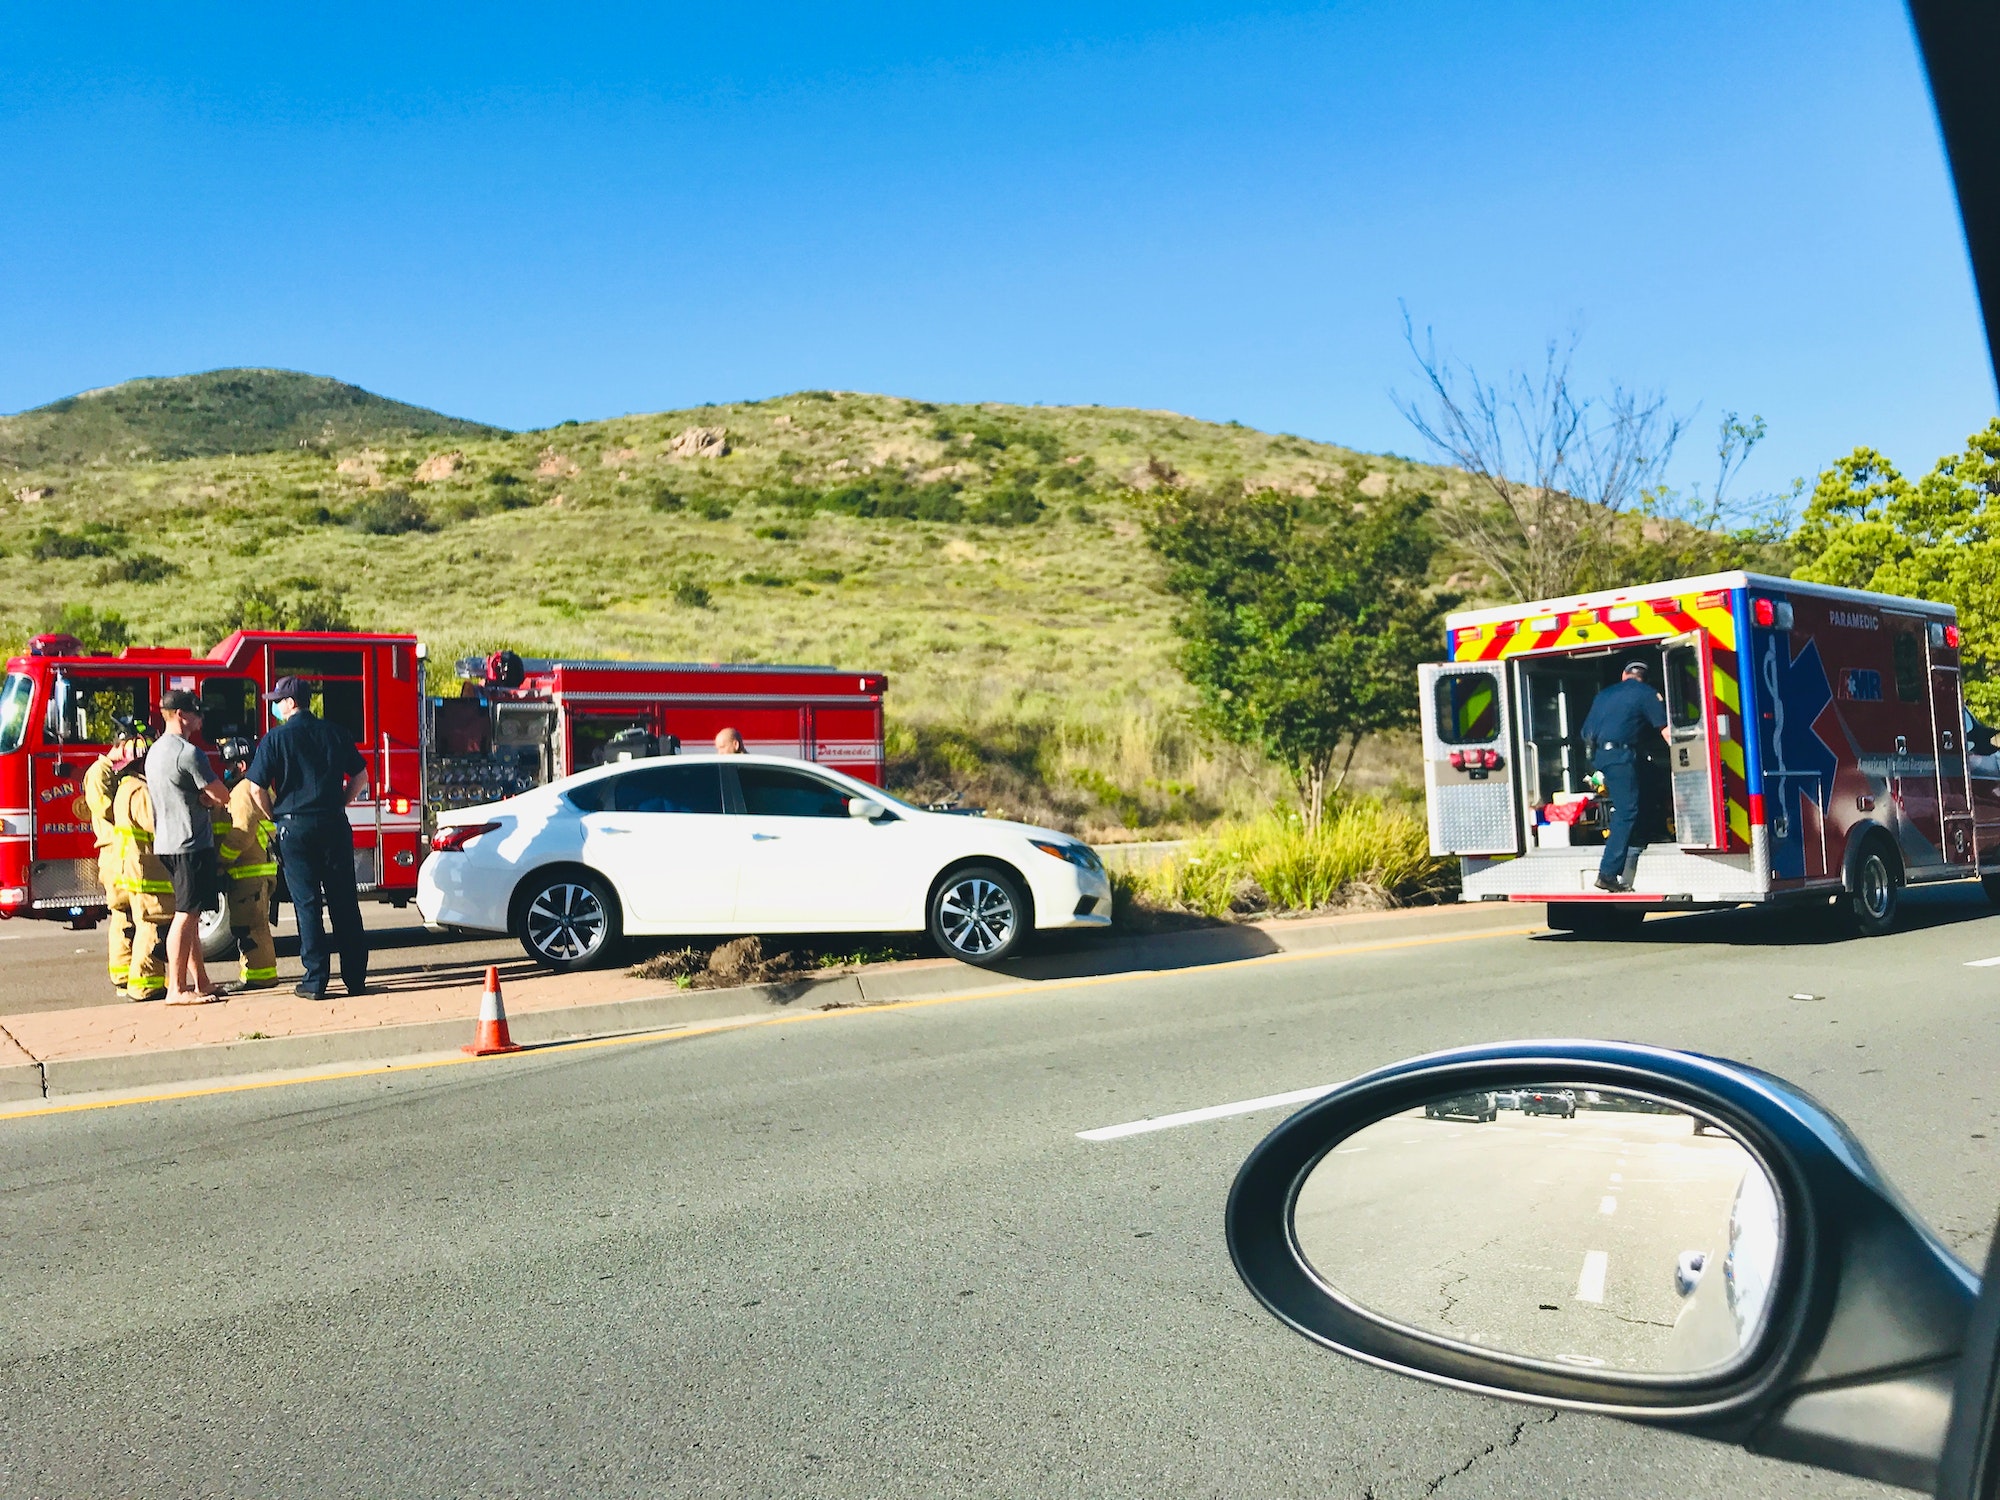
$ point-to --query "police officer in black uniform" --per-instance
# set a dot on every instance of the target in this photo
(1613, 732)
(304, 774)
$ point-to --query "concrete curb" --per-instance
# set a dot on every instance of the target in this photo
(917, 980)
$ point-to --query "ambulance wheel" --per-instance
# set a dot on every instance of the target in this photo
(217, 941)
(566, 919)
(1876, 893)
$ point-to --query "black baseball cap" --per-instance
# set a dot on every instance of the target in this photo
(295, 688)
(180, 700)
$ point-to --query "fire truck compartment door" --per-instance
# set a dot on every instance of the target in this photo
(669, 848)
(1691, 753)
(1472, 804)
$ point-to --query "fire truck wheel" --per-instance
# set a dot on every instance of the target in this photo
(566, 919)
(1876, 892)
(980, 915)
(217, 942)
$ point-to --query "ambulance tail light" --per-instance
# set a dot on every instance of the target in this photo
(1771, 614)
(1951, 636)
(1490, 759)
(1458, 760)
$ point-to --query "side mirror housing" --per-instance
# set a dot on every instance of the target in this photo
(1812, 1318)
(862, 807)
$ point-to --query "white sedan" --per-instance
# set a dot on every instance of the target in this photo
(718, 844)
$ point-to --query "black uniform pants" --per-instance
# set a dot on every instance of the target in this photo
(317, 854)
(1620, 768)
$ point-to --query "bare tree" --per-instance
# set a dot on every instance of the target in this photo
(1551, 471)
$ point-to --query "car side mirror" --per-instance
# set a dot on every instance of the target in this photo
(862, 807)
(1618, 1229)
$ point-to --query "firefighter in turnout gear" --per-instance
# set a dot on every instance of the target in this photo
(100, 787)
(249, 871)
(145, 882)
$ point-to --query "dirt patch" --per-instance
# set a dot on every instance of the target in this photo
(743, 961)
(29, 494)
(617, 458)
(554, 465)
(439, 467)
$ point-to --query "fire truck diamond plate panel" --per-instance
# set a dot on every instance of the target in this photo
(1472, 816)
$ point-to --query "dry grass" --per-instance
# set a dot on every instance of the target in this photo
(1370, 853)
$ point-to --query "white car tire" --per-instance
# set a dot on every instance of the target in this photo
(566, 919)
(980, 914)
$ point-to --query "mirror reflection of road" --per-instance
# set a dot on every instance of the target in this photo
(1531, 1234)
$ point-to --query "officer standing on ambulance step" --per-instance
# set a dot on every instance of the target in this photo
(1613, 731)
(302, 777)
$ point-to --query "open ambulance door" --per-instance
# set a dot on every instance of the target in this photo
(1469, 781)
(1691, 749)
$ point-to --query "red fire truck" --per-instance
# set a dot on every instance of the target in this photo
(513, 724)
(1818, 750)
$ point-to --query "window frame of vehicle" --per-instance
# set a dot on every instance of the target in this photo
(615, 793)
(740, 796)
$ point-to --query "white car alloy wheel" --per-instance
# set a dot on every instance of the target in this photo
(567, 922)
(978, 914)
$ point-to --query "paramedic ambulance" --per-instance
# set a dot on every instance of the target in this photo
(1818, 750)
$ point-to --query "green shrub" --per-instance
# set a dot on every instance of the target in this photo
(94, 540)
(824, 575)
(290, 604)
(1366, 853)
(766, 580)
(665, 500)
(686, 591)
(391, 513)
(139, 567)
(711, 509)
(95, 630)
(1012, 507)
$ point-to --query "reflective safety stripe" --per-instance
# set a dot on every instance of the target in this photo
(251, 976)
(150, 887)
(266, 831)
(147, 982)
(254, 872)
(132, 836)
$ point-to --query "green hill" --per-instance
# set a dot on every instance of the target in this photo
(988, 557)
(222, 411)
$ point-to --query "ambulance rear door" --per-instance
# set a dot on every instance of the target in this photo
(1469, 781)
(1691, 748)
(1948, 735)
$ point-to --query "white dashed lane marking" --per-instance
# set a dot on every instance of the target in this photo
(1590, 1284)
(1202, 1116)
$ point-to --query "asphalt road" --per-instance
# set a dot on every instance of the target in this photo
(866, 1254)
(1533, 1234)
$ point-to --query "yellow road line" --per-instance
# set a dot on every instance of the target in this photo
(743, 1023)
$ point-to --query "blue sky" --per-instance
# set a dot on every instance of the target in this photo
(523, 214)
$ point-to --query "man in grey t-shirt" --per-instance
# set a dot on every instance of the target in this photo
(183, 791)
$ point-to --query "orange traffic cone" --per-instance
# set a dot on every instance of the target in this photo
(493, 1038)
